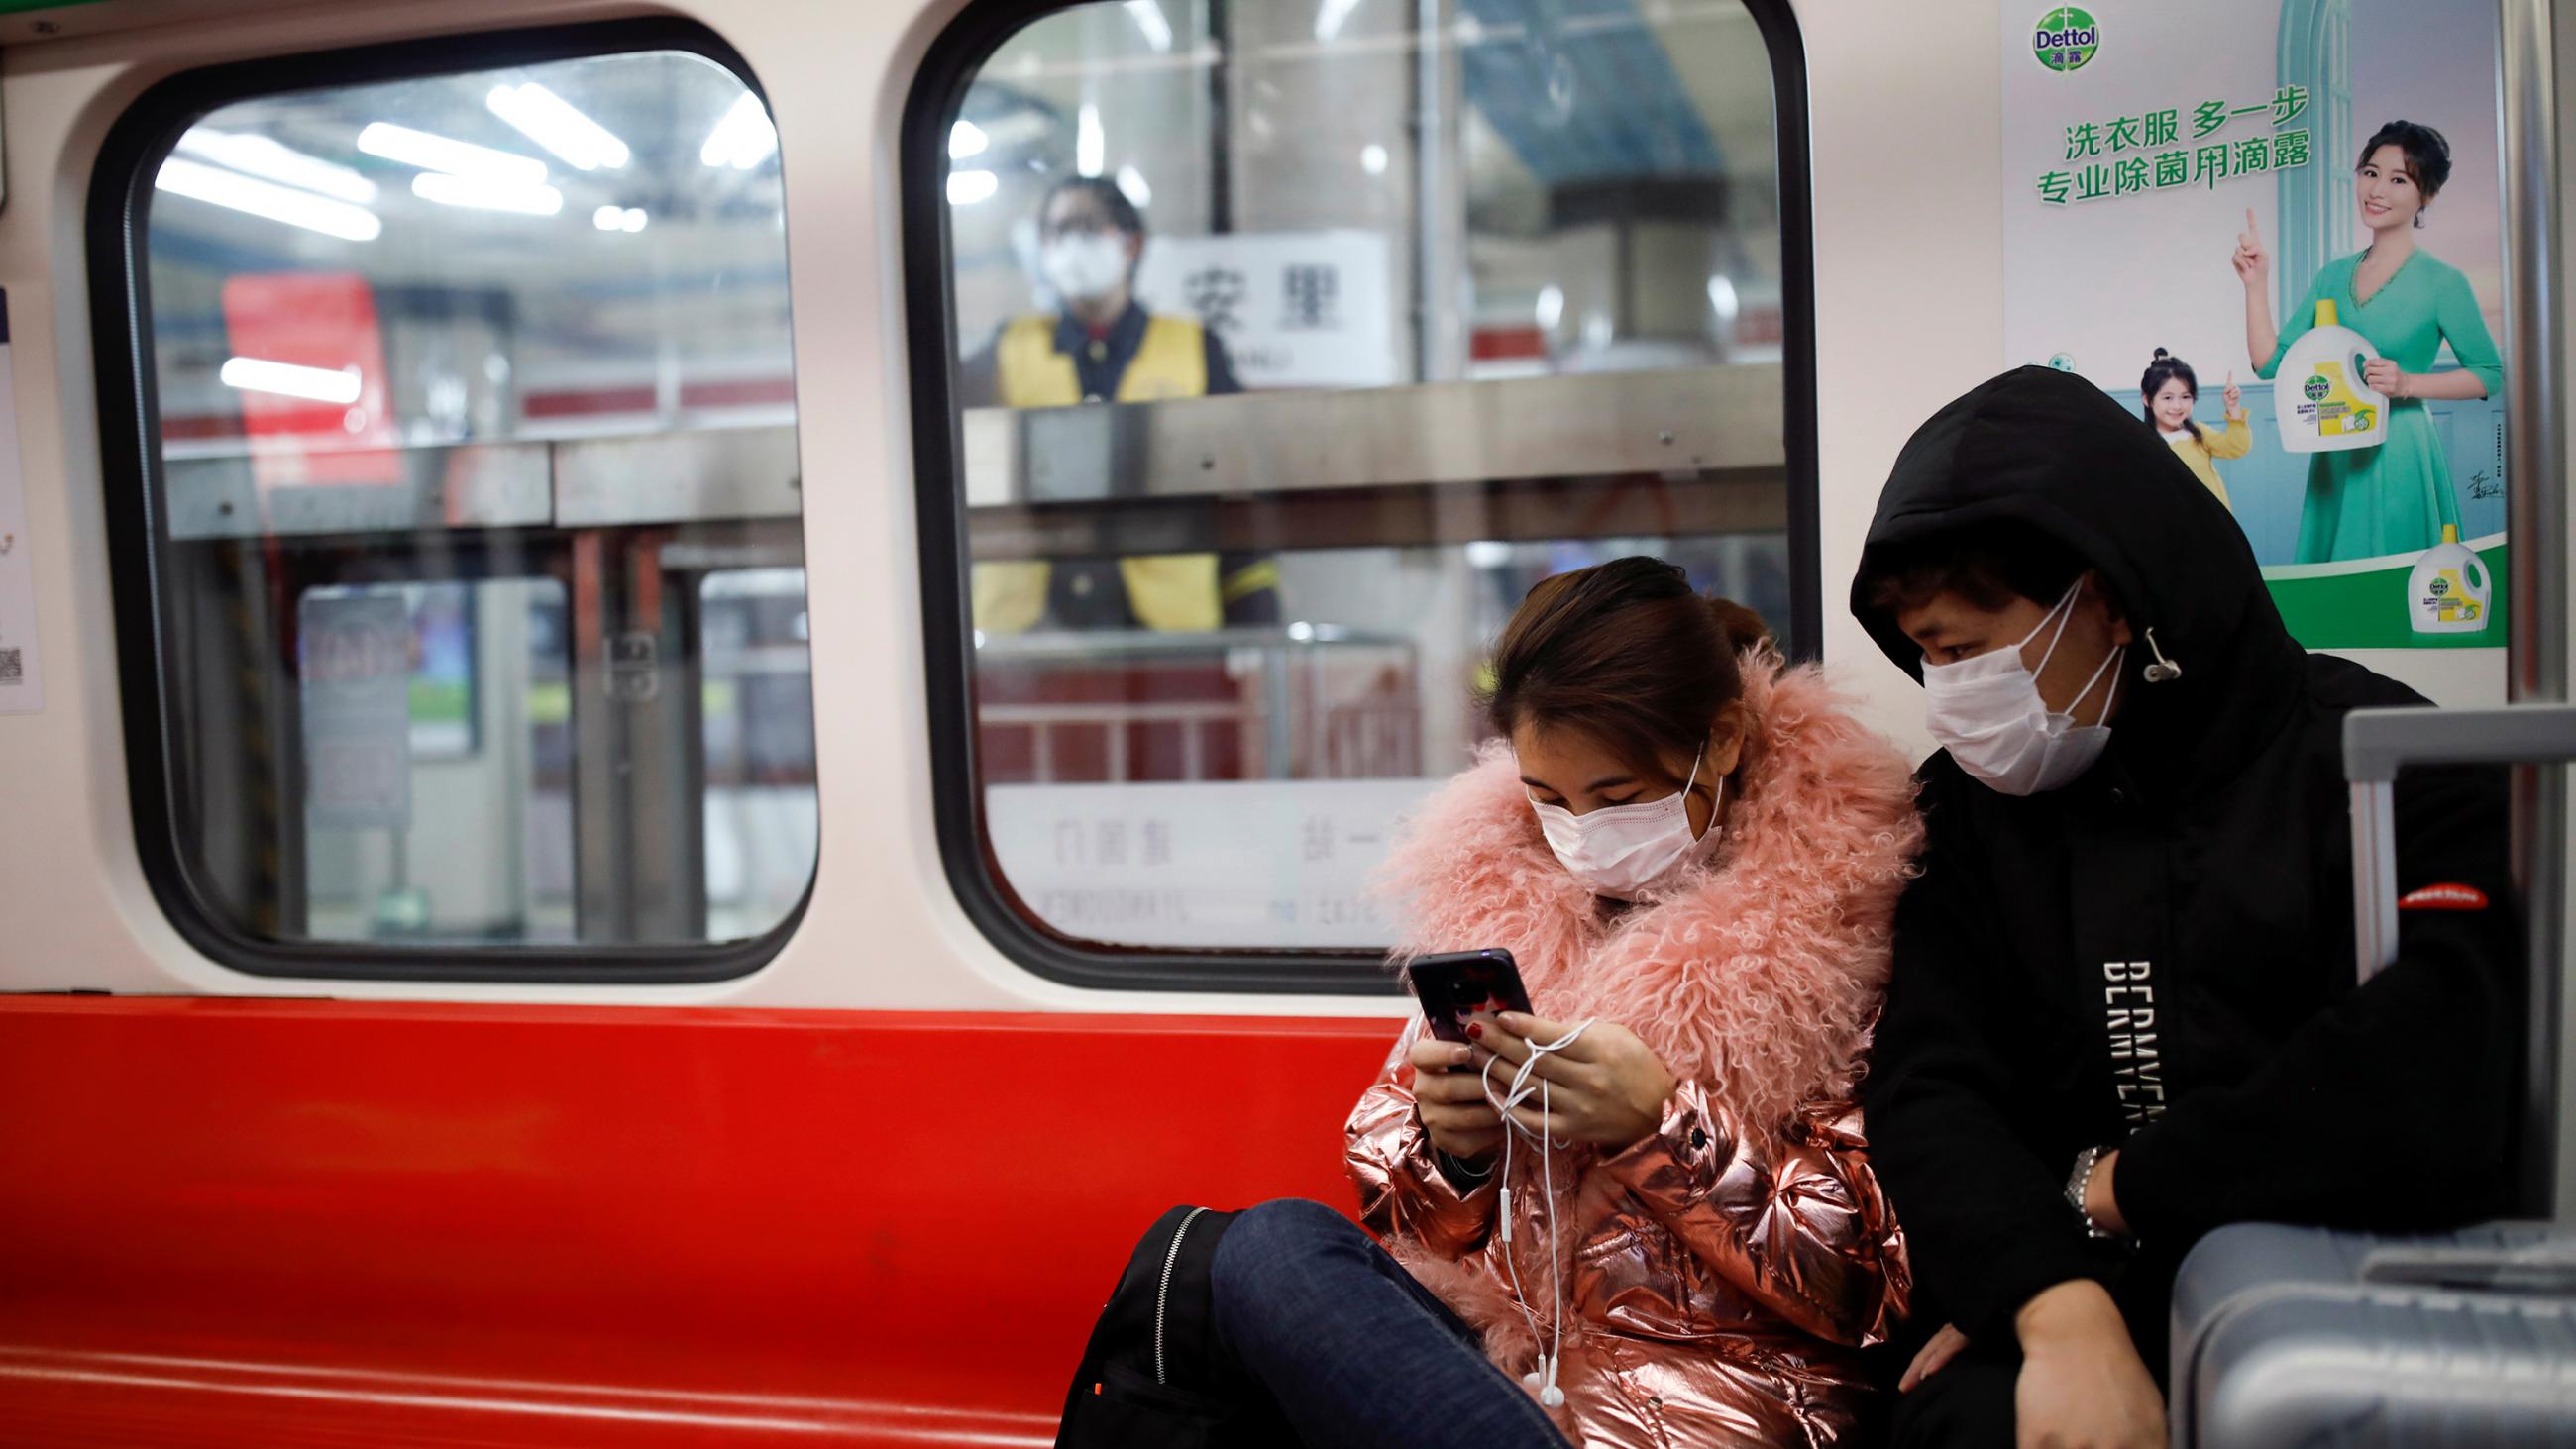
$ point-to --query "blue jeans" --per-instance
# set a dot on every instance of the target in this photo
(1355, 1351)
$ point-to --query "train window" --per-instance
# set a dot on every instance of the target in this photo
(1266, 352)
(456, 483)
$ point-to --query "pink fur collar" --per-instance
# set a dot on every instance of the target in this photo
(1757, 970)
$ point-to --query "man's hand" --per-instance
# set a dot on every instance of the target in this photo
(2082, 1383)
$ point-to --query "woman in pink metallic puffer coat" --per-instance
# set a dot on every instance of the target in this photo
(1694, 854)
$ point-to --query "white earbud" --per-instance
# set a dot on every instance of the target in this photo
(2163, 670)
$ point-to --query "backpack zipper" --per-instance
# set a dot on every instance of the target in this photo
(1163, 1290)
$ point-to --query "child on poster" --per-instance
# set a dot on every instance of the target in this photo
(2171, 390)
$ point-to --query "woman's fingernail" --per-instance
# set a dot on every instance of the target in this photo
(1476, 1029)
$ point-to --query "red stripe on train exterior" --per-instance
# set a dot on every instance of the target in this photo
(259, 1222)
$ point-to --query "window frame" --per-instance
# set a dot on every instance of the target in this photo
(120, 313)
(954, 59)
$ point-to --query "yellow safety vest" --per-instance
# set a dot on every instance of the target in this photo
(1173, 593)
(1170, 362)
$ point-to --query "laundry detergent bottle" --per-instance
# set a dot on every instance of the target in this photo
(2449, 591)
(2318, 396)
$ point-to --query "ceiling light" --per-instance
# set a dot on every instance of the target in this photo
(966, 139)
(338, 387)
(219, 187)
(743, 139)
(1090, 143)
(1330, 15)
(1373, 159)
(965, 188)
(1150, 23)
(556, 124)
(1132, 182)
(487, 194)
(447, 154)
(263, 157)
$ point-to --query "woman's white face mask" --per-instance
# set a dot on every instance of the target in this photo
(1988, 713)
(1622, 850)
(1084, 266)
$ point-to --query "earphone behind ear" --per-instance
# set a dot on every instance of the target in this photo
(2163, 670)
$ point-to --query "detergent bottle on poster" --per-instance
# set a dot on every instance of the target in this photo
(2318, 396)
(2449, 591)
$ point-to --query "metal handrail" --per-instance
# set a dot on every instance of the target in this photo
(2537, 523)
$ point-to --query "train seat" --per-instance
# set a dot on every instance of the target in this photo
(285, 1222)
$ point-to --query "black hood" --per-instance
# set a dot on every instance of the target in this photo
(2050, 452)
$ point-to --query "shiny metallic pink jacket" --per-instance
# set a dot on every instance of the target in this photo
(1721, 1274)
(1721, 1281)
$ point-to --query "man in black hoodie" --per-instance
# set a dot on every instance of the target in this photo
(2124, 1010)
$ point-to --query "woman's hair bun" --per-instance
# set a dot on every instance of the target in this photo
(1744, 628)
(2161, 354)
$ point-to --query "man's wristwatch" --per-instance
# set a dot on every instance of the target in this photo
(2079, 1184)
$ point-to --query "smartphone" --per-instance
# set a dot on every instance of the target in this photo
(1455, 985)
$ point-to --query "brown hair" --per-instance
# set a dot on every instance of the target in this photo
(1625, 653)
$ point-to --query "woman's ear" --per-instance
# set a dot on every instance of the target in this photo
(1726, 738)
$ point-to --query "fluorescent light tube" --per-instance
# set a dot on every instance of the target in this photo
(487, 195)
(287, 379)
(449, 155)
(743, 138)
(556, 124)
(218, 187)
(264, 157)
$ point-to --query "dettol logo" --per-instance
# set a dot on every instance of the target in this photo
(2316, 388)
(2065, 38)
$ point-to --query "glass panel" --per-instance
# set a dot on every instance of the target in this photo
(473, 390)
(1297, 338)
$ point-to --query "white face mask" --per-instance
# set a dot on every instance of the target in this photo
(1621, 850)
(1084, 266)
(1987, 711)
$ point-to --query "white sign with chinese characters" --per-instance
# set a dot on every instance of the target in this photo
(22, 680)
(1294, 309)
(1236, 864)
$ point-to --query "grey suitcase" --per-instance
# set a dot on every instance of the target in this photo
(2288, 1336)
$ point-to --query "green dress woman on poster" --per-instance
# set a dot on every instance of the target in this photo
(2397, 497)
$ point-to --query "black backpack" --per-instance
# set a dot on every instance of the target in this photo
(1154, 1374)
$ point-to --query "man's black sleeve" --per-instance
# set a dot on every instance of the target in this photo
(1986, 1220)
(2376, 1109)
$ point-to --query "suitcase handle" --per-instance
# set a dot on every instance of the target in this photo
(2538, 1264)
(2377, 741)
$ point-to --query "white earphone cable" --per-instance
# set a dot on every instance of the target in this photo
(1552, 1348)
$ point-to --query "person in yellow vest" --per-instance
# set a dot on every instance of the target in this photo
(1104, 347)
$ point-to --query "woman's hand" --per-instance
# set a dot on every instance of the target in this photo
(2253, 264)
(2235, 399)
(1944, 1347)
(1450, 1100)
(1604, 1088)
(2082, 1384)
(2382, 377)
